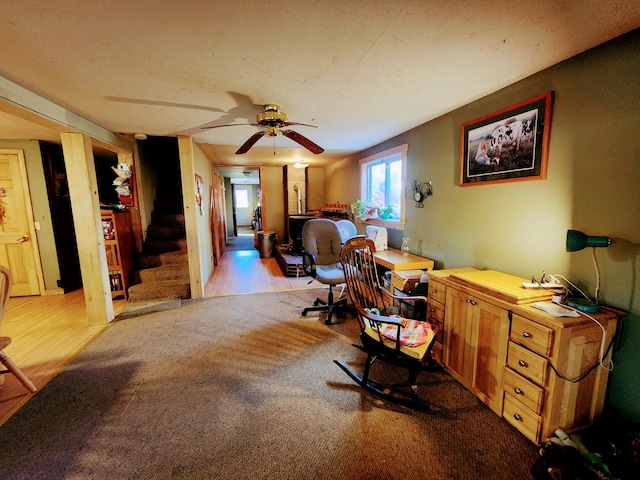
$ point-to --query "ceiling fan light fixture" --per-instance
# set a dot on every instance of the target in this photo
(273, 121)
(140, 136)
(300, 165)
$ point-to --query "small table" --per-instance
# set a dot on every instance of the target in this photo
(395, 260)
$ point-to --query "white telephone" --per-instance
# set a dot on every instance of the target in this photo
(378, 235)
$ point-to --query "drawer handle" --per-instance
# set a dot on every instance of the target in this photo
(526, 335)
(434, 290)
(518, 391)
(432, 310)
(517, 416)
(472, 302)
(522, 363)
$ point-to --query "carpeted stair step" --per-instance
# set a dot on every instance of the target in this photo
(161, 245)
(161, 289)
(168, 206)
(165, 272)
(166, 231)
(156, 260)
(158, 218)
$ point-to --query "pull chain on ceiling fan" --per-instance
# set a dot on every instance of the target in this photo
(272, 119)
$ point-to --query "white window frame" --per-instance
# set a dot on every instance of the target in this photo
(392, 154)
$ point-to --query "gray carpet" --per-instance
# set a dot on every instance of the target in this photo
(244, 387)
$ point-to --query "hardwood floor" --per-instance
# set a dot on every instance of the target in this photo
(241, 270)
(48, 332)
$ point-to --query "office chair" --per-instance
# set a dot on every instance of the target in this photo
(391, 337)
(10, 367)
(321, 244)
(347, 229)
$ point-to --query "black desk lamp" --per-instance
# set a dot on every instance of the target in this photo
(577, 241)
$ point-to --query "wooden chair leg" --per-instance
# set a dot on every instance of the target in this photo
(13, 368)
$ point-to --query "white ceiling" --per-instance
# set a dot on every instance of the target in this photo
(361, 71)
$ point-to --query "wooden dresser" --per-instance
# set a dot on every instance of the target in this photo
(523, 363)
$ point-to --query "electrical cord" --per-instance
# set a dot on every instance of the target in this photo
(603, 353)
(587, 371)
(572, 284)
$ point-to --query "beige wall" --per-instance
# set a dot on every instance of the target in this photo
(273, 215)
(315, 189)
(204, 169)
(520, 227)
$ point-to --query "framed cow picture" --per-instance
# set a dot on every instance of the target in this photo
(508, 145)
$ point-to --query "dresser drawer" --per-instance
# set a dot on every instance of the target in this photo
(527, 363)
(526, 421)
(439, 329)
(435, 311)
(437, 292)
(532, 335)
(527, 393)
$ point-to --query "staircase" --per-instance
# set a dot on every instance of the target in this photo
(162, 277)
(163, 268)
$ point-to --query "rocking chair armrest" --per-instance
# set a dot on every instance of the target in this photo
(378, 318)
(381, 318)
(397, 297)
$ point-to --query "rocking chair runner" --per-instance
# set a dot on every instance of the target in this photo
(391, 338)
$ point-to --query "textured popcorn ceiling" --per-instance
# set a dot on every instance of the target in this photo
(361, 71)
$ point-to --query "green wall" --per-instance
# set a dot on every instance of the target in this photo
(520, 227)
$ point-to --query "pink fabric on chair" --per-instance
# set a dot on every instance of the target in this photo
(412, 334)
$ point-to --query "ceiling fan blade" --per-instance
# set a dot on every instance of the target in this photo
(302, 140)
(250, 143)
(230, 125)
(286, 124)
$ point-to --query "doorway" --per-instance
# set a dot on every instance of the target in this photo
(243, 205)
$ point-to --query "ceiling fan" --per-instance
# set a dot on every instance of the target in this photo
(272, 119)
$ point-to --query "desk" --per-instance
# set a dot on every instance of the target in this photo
(394, 260)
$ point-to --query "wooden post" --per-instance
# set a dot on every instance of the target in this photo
(187, 169)
(83, 189)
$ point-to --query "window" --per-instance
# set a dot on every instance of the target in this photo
(382, 181)
(242, 198)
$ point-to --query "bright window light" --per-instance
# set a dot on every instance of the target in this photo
(242, 199)
(382, 180)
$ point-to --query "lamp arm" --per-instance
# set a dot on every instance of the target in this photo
(595, 264)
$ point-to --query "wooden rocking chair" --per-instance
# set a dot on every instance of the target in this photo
(385, 333)
(10, 367)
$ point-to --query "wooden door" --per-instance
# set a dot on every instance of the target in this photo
(18, 245)
(457, 334)
(489, 337)
(218, 217)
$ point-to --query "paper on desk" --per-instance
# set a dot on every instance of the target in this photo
(555, 309)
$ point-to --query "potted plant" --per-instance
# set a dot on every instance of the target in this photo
(385, 212)
(363, 210)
